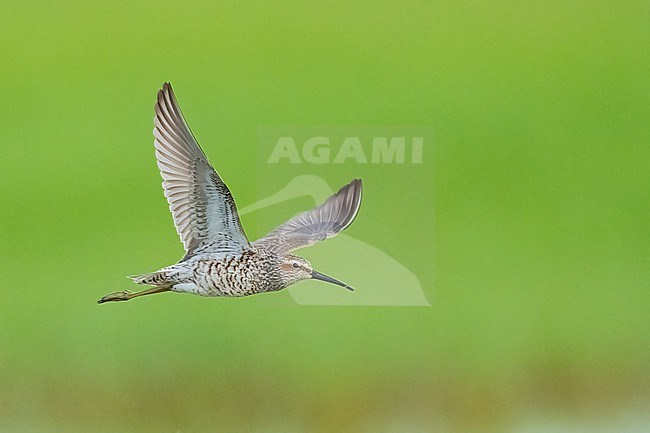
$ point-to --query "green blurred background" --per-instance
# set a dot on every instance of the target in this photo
(536, 261)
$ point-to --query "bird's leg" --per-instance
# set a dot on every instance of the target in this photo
(125, 295)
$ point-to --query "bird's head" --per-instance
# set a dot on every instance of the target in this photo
(294, 269)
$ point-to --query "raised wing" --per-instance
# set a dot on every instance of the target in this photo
(318, 224)
(203, 208)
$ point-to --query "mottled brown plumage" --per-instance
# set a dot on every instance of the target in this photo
(219, 260)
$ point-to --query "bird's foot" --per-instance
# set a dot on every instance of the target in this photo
(123, 295)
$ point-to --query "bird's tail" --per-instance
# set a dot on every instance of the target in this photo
(152, 279)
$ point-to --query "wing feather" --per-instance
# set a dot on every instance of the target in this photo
(317, 224)
(204, 211)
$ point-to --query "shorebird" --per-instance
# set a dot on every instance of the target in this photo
(219, 260)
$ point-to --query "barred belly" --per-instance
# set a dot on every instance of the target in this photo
(233, 276)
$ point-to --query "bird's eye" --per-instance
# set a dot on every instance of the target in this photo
(295, 265)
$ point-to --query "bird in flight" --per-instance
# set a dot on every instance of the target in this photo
(219, 260)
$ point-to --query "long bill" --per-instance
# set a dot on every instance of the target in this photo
(318, 276)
